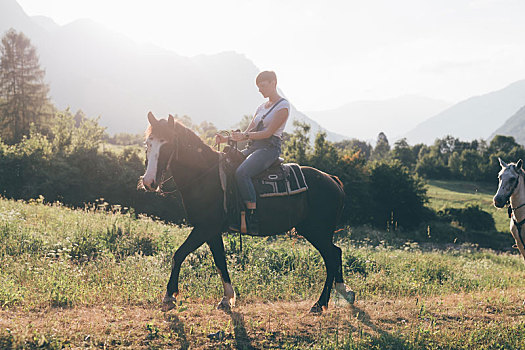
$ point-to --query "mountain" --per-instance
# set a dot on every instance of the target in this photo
(106, 74)
(514, 126)
(474, 118)
(366, 119)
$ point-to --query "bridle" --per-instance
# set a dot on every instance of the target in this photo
(175, 154)
(511, 211)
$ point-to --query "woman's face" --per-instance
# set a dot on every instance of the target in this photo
(266, 87)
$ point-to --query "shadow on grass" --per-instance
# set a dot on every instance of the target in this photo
(366, 320)
(465, 186)
(383, 339)
(177, 326)
(242, 340)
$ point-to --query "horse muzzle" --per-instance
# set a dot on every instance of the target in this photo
(499, 201)
(150, 186)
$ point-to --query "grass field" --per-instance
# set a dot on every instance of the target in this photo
(94, 279)
(460, 193)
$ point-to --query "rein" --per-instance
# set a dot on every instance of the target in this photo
(511, 210)
(175, 152)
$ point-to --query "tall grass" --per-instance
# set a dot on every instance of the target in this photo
(54, 256)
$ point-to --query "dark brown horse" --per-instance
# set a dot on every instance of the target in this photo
(194, 167)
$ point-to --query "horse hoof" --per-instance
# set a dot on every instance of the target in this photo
(225, 306)
(317, 309)
(167, 306)
(350, 297)
(345, 292)
(168, 303)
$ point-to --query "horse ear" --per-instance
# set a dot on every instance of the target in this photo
(151, 118)
(171, 121)
(520, 163)
(502, 163)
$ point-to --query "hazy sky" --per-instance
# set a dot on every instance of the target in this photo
(328, 53)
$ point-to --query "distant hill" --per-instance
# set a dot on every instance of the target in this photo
(366, 119)
(474, 118)
(104, 73)
(514, 126)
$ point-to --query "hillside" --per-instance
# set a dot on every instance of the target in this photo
(514, 126)
(366, 119)
(106, 74)
(474, 118)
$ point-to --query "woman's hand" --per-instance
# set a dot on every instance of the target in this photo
(238, 136)
(220, 139)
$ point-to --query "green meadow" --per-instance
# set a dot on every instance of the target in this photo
(94, 278)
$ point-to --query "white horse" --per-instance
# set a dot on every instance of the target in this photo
(511, 190)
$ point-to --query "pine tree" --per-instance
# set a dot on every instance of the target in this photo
(23, 93)
(382, 149)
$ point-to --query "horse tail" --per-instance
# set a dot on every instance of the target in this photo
(338, 182)
(341, 187)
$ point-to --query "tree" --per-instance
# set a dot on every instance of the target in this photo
(502, 143)
(23, 93)
(382, 147)
(354, 145)
(324, 156)
(398, 197)
(404, 153)
(297, 147)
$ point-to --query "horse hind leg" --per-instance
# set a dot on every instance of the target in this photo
(347, 293)
(323, 243)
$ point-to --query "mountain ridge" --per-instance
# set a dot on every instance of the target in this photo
(473, 118)
(107, 74)
(392, 116)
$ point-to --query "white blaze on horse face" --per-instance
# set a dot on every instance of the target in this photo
(507, 178)
(153, 153)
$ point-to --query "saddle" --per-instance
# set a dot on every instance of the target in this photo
(278, 180)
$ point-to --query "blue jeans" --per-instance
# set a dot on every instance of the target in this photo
(261, 154)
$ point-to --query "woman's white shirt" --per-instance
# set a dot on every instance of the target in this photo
(262, 110)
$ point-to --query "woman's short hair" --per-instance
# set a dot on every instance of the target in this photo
(267, 75)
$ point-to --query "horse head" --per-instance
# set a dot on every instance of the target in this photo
(168, 142)
(509, 179)
(159, 141)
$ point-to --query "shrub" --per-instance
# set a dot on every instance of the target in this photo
(398, 197)
(471, 217)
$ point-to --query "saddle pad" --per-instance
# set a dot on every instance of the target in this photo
(282, 180)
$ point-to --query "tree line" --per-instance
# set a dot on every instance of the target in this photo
(59, 155)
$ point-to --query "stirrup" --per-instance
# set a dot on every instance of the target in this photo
(241, 226)
(245, 226)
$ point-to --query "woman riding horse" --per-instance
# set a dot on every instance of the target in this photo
(194, 166)
(265, 132)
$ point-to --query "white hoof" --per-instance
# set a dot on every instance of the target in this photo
(168, 302)
(227, 303)
(345, 292)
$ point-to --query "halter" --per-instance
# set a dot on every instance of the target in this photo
(175, 152)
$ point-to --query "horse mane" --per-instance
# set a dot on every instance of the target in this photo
(184, 135)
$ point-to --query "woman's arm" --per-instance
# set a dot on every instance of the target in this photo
(279, 119)
(252, 124)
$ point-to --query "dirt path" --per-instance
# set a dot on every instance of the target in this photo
(256, 325)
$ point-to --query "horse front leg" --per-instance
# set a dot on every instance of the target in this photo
(217, 249)
(340, 285)
(196, 238)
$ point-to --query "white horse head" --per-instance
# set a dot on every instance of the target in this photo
(509, 179)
